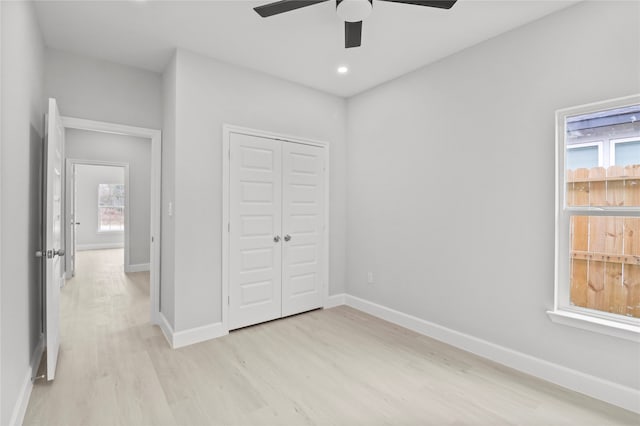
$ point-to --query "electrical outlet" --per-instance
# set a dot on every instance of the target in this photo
(370, 277)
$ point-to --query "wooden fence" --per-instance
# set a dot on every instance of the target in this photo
(605, 250)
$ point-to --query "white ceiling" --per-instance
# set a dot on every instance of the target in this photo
(304, 46)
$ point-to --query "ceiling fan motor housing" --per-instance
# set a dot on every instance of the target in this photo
(354, 10)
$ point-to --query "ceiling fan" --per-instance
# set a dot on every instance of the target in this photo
(351, 11)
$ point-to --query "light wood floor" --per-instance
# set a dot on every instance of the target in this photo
(336, 366)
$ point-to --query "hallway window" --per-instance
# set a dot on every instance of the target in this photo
(111, 204)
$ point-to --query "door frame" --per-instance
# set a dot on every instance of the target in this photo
(70, 162)
(227, 130)
(155, 136)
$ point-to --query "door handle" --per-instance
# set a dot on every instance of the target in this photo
(287, 237)
(53, 253)
(276, 239)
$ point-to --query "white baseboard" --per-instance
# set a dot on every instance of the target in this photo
(613, 393)
(101, 246)
(139, 267)
(179, 339)
(335, 300)
(166, 328)
(198, 334)
(20, 408)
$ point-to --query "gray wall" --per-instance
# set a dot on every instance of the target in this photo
(89, 145)
(167, 254)
(23, 104)
(451, 183)
(210, 93)
(103, 91)
(88, 177)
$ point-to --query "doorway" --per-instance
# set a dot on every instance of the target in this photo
(94, 143)
(97, 210)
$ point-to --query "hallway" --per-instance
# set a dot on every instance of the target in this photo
(104, 330)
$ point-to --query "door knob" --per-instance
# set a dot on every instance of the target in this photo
(287, 237)
(276, 239)
(53, 253)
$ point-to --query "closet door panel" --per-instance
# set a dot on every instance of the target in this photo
(303, 223)
(255, 256)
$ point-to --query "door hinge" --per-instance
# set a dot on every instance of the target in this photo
(228, 300)
(228, 226)
(152, 239)
(229, 153)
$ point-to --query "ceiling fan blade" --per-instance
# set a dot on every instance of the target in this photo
(284, 6)
(352, 34)
(442, 4)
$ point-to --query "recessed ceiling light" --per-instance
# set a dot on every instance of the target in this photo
(343, 69)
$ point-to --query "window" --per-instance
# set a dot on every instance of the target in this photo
(584, 155)
(597, 283)
(111, 199)
(625, 152)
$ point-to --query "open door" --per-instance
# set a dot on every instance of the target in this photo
(72, 220)
(54, 143)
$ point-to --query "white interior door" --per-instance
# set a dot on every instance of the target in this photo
(74, 217)
(303, 226)
(255, 244)
(71, 221)
(53, 234)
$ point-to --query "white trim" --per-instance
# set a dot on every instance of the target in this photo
(166, 328)
(613, 393)
(563, 213)
(599, 144)
(100, 246)
(227, 130)
(20, 408)
(137, 267)
(180, 339)
(614, 142)
(198, 334)
(1, 257)
(156, 167)
(335, 300)
(127, 230)
(597, 325)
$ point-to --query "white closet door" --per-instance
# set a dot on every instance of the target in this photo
(302, 223)
(255, 256)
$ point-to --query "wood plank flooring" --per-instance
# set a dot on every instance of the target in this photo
(336, 367)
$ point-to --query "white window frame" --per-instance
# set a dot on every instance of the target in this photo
(563, 312)
(614, 142)
(124, 212)
(599, 144)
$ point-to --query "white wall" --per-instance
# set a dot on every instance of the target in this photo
(88, 177)
(104, 91)
(98, 146)
(451, 183)
(23, 104)
(210, 93)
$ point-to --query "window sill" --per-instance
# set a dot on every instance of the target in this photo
(597, 325)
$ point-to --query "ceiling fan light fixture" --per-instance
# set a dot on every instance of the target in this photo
(354, 10)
